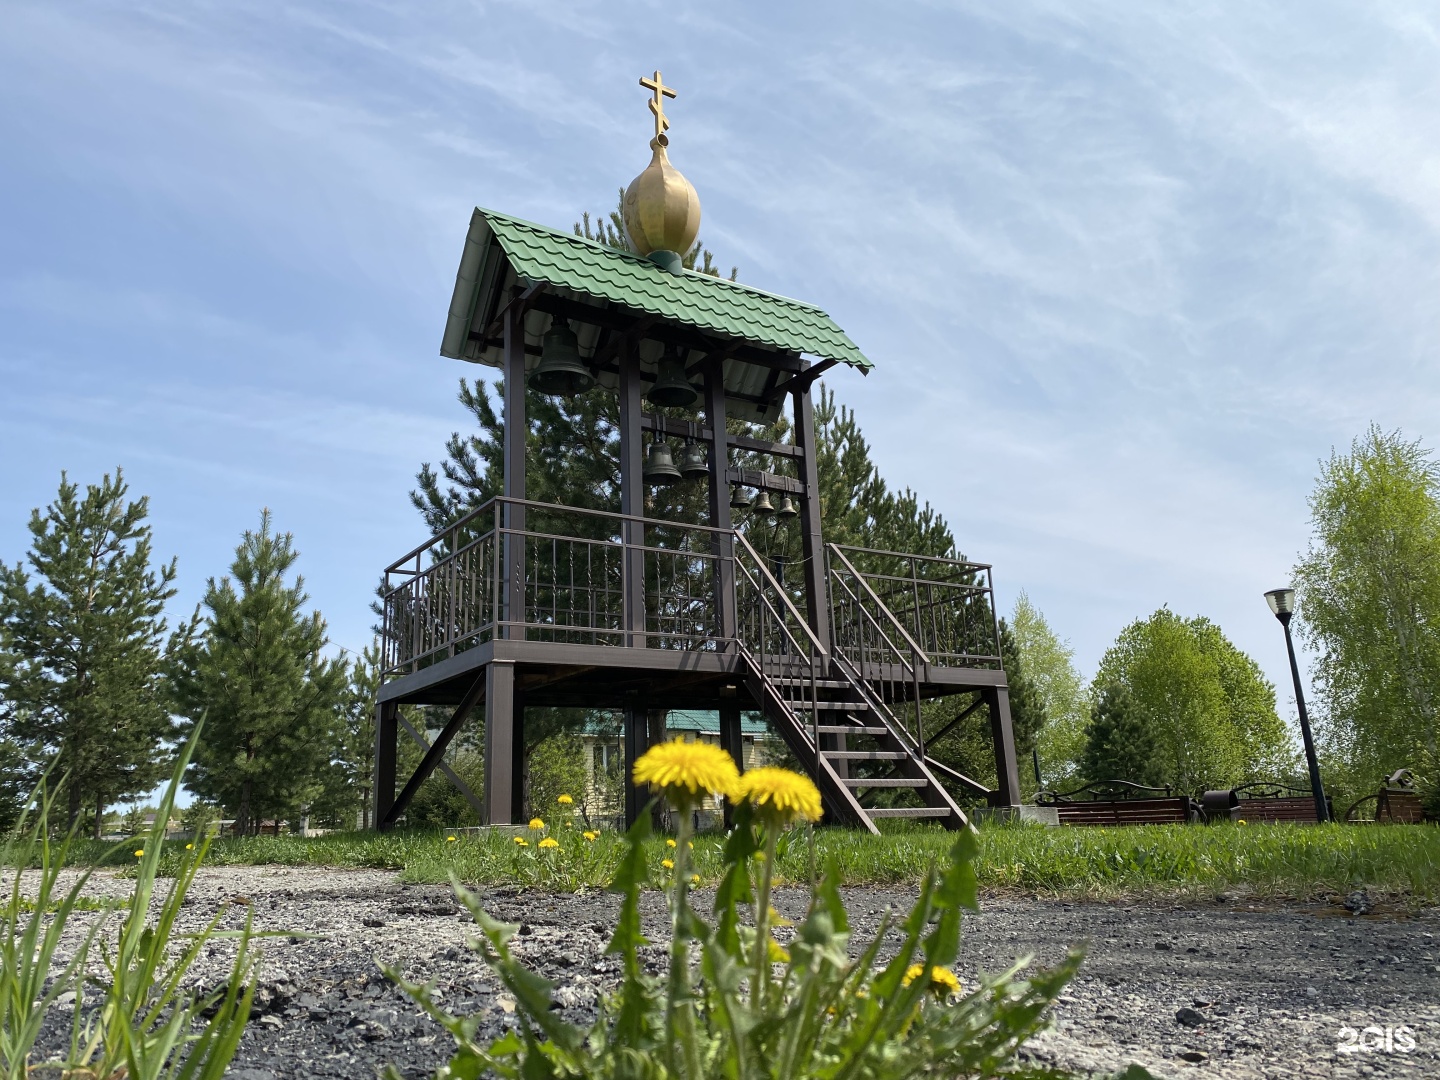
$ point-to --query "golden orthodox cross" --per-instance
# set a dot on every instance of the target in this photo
(659, 91)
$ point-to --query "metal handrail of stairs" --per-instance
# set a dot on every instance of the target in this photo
(859, 637)
(771, 650)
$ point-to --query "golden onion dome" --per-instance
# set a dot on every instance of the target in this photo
(661, 210)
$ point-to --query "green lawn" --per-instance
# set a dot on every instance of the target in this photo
(1274, 860)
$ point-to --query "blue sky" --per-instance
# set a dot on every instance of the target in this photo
(1127, 271)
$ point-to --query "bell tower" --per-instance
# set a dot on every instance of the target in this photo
(522, 603)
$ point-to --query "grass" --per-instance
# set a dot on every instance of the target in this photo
(1268, 860)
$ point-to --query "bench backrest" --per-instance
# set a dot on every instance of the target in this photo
(1175, 810)
(1293, 808)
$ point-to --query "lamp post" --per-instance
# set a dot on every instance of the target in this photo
(1282, 603)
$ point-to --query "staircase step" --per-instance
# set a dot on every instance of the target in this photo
(909, 811)
(852, 729)
(887, 782)
(829, 706)
(866, 755)
(820, 684)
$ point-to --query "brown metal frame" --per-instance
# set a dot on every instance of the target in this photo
(515, 601)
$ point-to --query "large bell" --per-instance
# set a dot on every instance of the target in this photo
(693, 465)
(739, 498)
(787, 509)
(762, 507)
(659, 465)
(561, 370)
(672, 390)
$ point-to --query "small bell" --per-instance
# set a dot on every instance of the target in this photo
(659, 465)
(672, 390)
(693, 465)
(787, 509)
(739, 498)
(761, 507)
(561, 370)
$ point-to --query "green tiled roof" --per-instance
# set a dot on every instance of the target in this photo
(564, 260)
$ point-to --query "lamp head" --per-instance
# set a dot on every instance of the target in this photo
(1282, 603)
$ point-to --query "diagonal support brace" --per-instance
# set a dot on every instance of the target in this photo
(436, 753)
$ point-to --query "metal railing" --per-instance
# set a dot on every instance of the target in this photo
(878, 653)
(535, 571)
(947, 606)
(543, 572)
(777, 641)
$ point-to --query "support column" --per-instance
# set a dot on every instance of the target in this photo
(386, 735)
(1002, 734)
(720, 505)
(632, 495)
(635, 737)
(732, 741)
(516, 431)
(812, 544)
(500, 740)
(519, 787)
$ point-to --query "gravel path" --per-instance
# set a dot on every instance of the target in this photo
(1223, 990)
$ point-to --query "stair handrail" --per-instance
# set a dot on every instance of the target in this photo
(915, 648)
(774, 583)
(910, 666)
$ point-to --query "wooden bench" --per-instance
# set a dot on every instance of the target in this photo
(1264, 803)
(1397, 802)
(1119, 802)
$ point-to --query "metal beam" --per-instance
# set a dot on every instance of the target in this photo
(719, 462)
(386, 713)
(444, 767)
(632, 496)
(500, 779)
(812, 543)
(765, 481)
(931, 740)
(1003, 736)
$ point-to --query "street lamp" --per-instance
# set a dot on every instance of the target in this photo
(1282, 603)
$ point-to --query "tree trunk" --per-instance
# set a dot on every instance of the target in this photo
(99, 818)
(73, 803)
(242, 813)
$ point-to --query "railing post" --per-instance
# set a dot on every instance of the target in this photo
(723, 544)
(812, 543)
(632, 499)
(516, 431)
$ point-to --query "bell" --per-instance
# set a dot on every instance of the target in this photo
(761, 507)
(561, 370)
(672, 390)
(787, 509)
(693, 465)
(659, 465)
(739, 498)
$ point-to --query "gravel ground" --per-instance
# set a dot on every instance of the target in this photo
(1228, 989)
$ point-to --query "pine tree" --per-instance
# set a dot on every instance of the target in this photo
(351, 798)
(1120, 743)
(271, 700)
(89, 648)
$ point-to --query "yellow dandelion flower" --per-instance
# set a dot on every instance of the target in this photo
(536, 824)
(670, 843)
(450, 840)
(549, 842)
(667, 864)
(685, 771)
(189, 847)
(1240, 822)
(780, 796)
(520, 841)
(565, 800)
(139, 853)
(591, 836)
(569, 824)
(778, 953)
(694, 879)
(943, 982)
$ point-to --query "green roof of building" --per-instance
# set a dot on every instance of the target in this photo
(568, 262)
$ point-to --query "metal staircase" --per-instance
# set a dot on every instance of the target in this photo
(840, 710)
